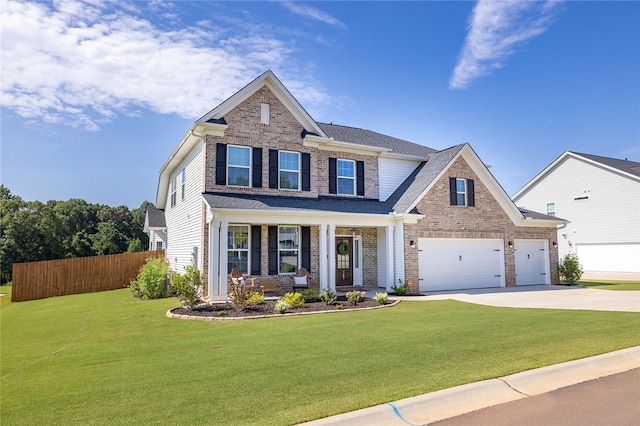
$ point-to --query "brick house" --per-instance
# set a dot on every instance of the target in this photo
(257, 184)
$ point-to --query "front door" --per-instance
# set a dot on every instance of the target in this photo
(344, 261)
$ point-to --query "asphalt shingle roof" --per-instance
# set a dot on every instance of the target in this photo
(156, 217)
(631, 167)
(535, 215)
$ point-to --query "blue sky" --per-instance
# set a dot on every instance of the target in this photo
(95, 95)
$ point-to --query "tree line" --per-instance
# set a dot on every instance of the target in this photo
(31, 230)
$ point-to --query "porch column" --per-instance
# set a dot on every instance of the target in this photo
(331, 264)
(389, 258)
(214, 258)
(222, 255)
(324, 264)
(398, 251)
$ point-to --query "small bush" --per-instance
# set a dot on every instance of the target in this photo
(355, 296)
(255, 299)
(240, 294)
(381, 298)
(293, 300)
(151, 280)
(187, 287)
(222, 313)
(281, 306)
(401, 288)
(570, 269)
(310, 295)
(328, 296)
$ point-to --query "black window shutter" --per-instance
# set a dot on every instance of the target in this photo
(273, 168)
(257, 167)
(333, 176)
(471, 194)
(256, 250)
(221, 164)
(306, 171)
(452, 191)
(273, 250)
(306, 247)
(360, 177)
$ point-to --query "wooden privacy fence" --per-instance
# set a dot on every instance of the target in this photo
(39, 280)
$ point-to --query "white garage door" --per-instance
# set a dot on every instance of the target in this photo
(609, 257)
(453, 264)
(532, 262)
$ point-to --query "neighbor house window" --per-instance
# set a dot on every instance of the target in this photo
(184, 184)
(288, 249)
(289, 170)
(173, 191)
(346, 177)
(551, 209)
(158, 245)
(238, 248)
(239, 166)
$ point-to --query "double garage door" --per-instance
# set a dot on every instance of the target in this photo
(454, 264)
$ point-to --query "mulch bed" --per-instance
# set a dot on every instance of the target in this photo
(267, 309)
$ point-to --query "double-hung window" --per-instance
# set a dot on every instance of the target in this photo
(238, 248)
(346, 177)
(551, 209)
(173, 191)
(288, 249)
(184, 184)
(461, 192)
(239, 166)
(289, 170)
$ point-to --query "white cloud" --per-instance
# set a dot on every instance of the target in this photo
(82, 63)
(313, 13)
(497, 29)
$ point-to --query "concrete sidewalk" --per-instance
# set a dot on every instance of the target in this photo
(431, 407)
(542, 296)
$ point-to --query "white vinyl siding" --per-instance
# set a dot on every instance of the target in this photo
(184, 221)
(392, 172)
(608, 216)
(610, 257)
(382, 258)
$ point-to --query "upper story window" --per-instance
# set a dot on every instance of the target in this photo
(346, 177)
(461, 192)
(551, 209)
(289, 170)
(173, 191)
(184, 184)
(239, 166)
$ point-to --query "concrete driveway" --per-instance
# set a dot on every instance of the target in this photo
(542, 296)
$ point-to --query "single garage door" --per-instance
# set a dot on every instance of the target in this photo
(622, 257)
(532, 262)
(454, 264)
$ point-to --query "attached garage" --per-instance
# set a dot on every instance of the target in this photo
(621, 257)
(532, 262)
(455, 264)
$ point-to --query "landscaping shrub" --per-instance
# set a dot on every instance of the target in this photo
(355, 296)
(310, 295)
(328, 296)
(242, 295)
(293, 299)
(401, 288)
(255, 299)
(570, 269)
(381, 298)
(187, 287)
(281, 306)
(151, 280)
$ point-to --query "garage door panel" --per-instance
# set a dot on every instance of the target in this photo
(531, 261)
(450, 264)
(611, 257)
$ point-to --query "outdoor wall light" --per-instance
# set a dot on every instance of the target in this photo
(412, 244)
(555, 244)
(510, 244)
(353, 232)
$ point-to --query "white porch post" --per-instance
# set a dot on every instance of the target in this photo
(323, 270)
(222, 255)
(214, 238)
(389, 258)
(331, 245)
(398, 251)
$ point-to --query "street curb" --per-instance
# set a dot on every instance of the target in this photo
(446, 403)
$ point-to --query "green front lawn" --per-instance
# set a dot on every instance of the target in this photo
(610, 285)
(105, 358)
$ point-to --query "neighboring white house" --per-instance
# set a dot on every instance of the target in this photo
(258, 185)
(600, 196)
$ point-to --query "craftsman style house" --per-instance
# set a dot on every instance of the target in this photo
(601, 198)
(256, 184)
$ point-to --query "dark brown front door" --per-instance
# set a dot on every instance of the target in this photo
(344, 261)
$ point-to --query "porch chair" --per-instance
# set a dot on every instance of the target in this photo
(236, 277)
(300, 280)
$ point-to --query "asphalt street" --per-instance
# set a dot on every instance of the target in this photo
(611, 400)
